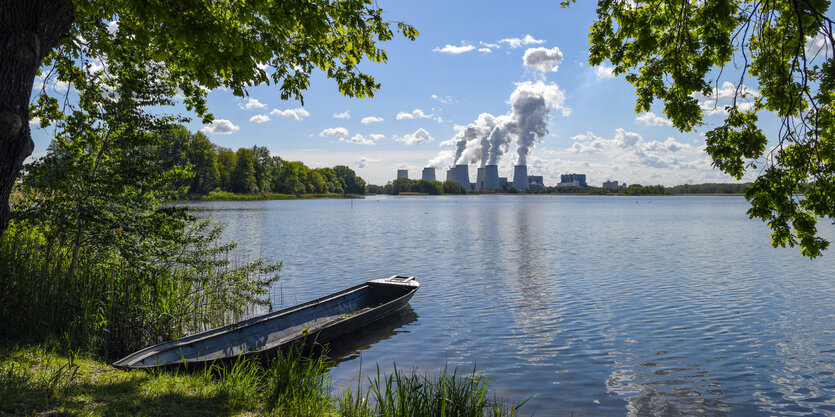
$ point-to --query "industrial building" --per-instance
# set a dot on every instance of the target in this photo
(572, 180)
(402, 173)
(613, 185)
(535, 182)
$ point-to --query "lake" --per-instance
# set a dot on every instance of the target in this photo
(591, 305)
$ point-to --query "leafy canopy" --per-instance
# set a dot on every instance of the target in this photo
(202, 45)
(677, 51)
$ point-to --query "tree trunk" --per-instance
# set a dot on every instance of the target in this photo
(29, 29)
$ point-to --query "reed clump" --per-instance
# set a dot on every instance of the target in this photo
(107, 306)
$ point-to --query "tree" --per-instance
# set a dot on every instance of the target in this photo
(203, 159)
(679, 51)
(199, 45)
(242, 180)
(226, 162)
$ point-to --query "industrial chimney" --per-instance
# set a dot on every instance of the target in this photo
(520, 177)
(462, 176)
(491, 177)
(428, 174)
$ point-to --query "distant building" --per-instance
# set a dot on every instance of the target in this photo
(613, 185)
(535, 182)
(402, 173)
(502, 181)
(572, 180)
(428, 174)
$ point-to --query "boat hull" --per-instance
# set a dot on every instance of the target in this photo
(318, 321)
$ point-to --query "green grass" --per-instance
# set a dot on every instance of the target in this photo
(38, 381)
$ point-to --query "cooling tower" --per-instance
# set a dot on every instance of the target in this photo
(450, 174)
(462, 176)
(428, 174)
(402, 173)
(479, 179)
(520, 177)
(491, 177)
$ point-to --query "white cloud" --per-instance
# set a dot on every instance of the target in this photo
(420, 136)
(295, 114)
(344, 115)
(113, 26)
(604, 71)
(624, 139)
(711, 105)
(517, 42)
(543, 59)
(35, 121)
(484, 50)
(490, 45)
(415, 114)
(333, 131)
(818, 46)
(376, 136)
(445, 100)
(358, 139)
(455, 50)
(652, 119)
(259, 118)
(371, 119)
(221, 127)
(252, 103)
(364, 162)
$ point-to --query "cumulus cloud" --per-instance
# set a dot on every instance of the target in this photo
(519, 42)
(420, 136)
(543, 59)
(344, 115)
(651, 119)
(364, 162)
(818, 46)
(221, 127)
(626, 139)
(294, 114)
(113, 26)
(724, 95)
(333, 131)
(485, 50)
(259, 118)
(35, 121)
(376, 136)
(252, 103)
(604, 71)
(455, 50)
(358, 139)
(415, 114)
(371, 119)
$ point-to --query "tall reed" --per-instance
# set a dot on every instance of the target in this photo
(108, 307)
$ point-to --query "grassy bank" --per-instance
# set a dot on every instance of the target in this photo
(34, 380)
(227, 196)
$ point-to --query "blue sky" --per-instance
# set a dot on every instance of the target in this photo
(468, 60)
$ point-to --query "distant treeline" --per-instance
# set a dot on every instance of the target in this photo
(403, 185)
(251, 170)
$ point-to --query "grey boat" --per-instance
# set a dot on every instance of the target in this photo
(321, 321)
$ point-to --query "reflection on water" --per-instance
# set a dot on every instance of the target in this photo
(350, 347)
(592, 305)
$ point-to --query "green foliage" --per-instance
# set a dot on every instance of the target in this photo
(675, 51)
(243, 179)
(452, 187)
(109, 307)
(298, 385)
(405, 185)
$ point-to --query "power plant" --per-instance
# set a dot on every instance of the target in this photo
(487, 178)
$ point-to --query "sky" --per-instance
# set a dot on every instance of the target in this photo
(474, 64)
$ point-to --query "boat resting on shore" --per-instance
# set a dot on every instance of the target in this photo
(321, 321)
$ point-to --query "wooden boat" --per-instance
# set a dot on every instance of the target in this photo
(321, 321)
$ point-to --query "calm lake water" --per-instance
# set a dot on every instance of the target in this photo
(597, 306)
